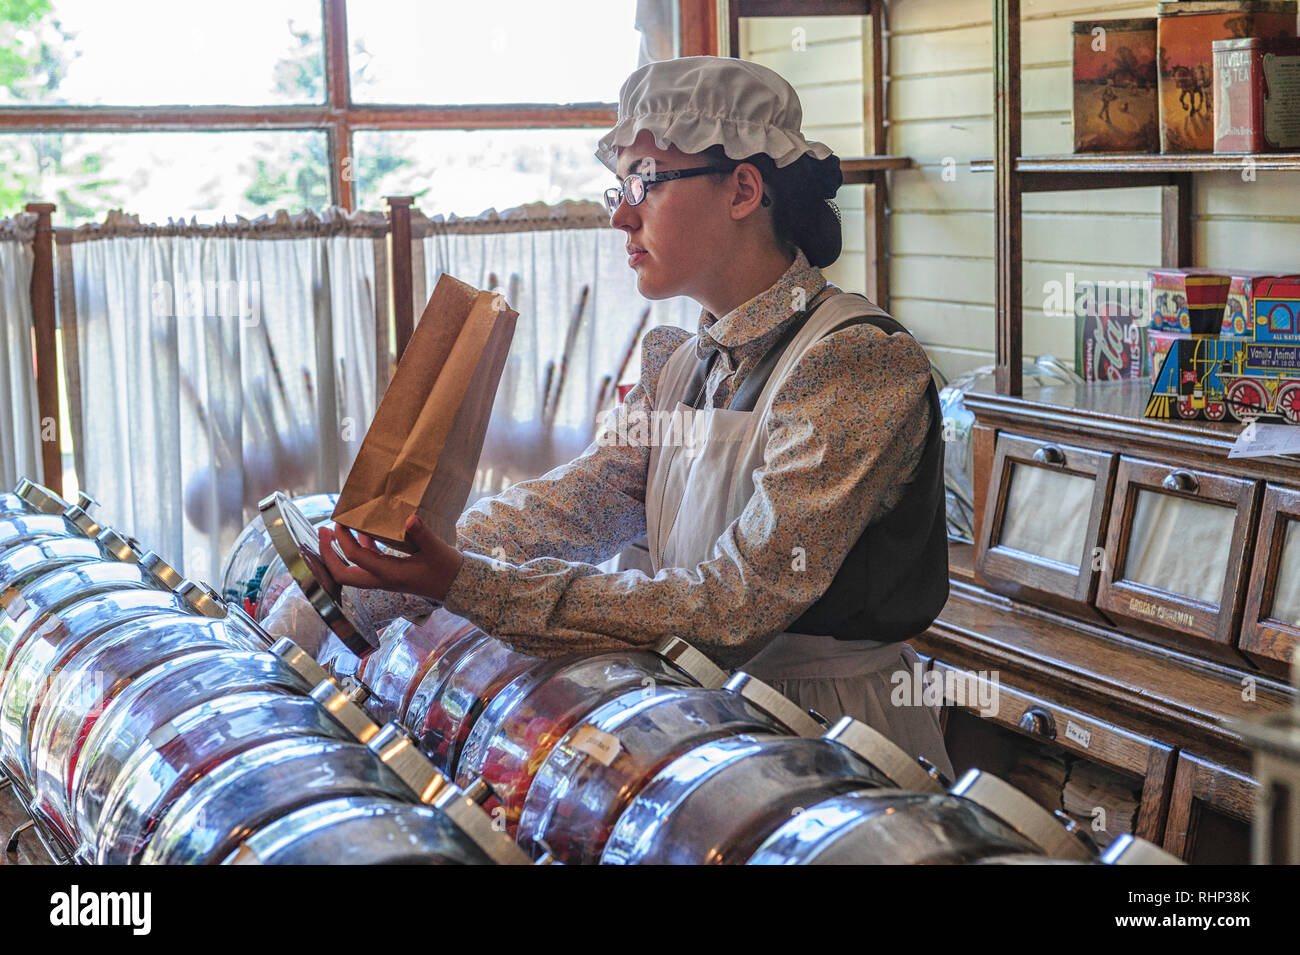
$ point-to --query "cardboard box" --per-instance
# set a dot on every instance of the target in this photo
(1257, 83)
(1185, 33)
(1115, 104)
(1187, 300)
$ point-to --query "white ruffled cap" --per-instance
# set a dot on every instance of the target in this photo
(694, 102)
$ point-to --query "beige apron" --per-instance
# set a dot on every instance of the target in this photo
(701, 477)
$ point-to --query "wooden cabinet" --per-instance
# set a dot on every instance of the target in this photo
(1194, 612)
(1135, 763)
(1270, 627)
(1209, 813)
(1177, 549)
(1044, 520)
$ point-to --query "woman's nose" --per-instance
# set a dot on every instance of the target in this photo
(624, 217)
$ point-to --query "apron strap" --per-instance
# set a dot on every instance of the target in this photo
(746, 396)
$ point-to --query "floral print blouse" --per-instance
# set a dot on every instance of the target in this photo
(845, 434)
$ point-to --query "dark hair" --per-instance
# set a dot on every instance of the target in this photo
(802, 213)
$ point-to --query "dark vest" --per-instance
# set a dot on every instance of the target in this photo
(894, 581)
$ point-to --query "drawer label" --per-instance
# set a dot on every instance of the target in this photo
(1077, 733)
(1167, 614)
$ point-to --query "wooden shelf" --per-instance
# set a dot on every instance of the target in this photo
(1127, 170)
(1112, 163)
(866, 169)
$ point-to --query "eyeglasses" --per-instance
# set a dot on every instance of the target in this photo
(634, 187)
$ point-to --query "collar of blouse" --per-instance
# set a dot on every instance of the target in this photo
(763, 314)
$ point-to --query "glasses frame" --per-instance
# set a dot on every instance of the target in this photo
(615, 196)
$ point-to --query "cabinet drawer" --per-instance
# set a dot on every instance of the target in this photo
(1270, 626)
(1076, 732)
(1043, 719)
(1045, 519)
(1176, 548)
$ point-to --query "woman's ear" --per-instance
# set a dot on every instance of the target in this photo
(749, 190)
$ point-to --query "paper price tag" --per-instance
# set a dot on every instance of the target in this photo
(1266, 439)
(163, 735)
(1077, 733)
(597, 744)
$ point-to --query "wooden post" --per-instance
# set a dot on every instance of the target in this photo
(338, 92)
(873, 87)
(1176, 222)
(699, 26)
(1007, 197)
(46, 343)
(399, 220)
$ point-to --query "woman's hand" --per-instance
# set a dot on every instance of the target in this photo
(428, 572)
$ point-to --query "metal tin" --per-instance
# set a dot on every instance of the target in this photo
(717, 803)
(510, 740)
(888, 827)
(361, 830)
(178, 756)
(295, 540)
(1053, 835)
(158, 696)
(1257, 92)
(251, 790)
(89, 680)
(595, 771)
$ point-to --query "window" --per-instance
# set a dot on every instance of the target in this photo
(174, 109)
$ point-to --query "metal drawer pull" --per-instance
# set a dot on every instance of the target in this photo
(1180, 481)
(1049, 454)
(1038, 721)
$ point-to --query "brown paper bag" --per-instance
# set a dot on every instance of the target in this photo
(421, 451)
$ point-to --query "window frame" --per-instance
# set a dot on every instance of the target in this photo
(338, 117)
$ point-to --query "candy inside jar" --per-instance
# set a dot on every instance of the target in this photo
(518, 729)
(455, 692)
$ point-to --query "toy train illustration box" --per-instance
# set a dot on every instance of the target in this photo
(1208, 376)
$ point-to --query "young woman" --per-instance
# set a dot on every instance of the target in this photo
(794, 514)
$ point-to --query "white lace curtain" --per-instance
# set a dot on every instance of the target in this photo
(19, 418)
(567, 354)
(210, 365)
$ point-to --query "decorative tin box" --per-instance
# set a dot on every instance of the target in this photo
(1238, 320)
(1158, 345)
(1215, 377)
(1187, 300)
(1257, 83)
(1185, 33)
(1115, 106)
